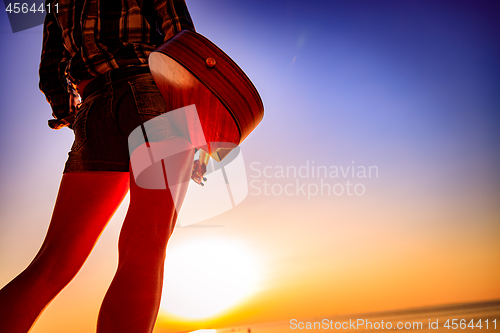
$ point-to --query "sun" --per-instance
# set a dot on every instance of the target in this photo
(205, 277)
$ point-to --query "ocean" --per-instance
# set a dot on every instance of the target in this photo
(460, 318)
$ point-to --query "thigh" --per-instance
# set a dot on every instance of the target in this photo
(85, 203)
(155, 202)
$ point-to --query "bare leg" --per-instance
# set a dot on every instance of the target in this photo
(85, 204)
(133, 299)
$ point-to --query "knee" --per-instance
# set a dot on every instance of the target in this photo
(146, 235)
(57, 265)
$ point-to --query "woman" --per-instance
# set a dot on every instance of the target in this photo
(102, 48)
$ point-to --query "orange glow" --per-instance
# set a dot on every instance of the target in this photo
(206, 276)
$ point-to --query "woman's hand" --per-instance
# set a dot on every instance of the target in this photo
(74, 104)
(200, 168)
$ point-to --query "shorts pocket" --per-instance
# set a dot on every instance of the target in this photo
(148, 97)
(80, 126)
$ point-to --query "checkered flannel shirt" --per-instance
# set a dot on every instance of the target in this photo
(83, 39)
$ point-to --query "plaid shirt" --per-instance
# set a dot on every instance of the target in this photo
(83, 39)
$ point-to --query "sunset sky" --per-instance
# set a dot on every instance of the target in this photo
(409, 88)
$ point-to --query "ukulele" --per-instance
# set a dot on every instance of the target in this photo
(190, 69)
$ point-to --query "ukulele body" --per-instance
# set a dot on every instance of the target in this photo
(189, 69)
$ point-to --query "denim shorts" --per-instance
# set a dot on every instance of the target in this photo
(114, 104)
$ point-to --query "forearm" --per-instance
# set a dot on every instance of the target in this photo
(53, 63)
